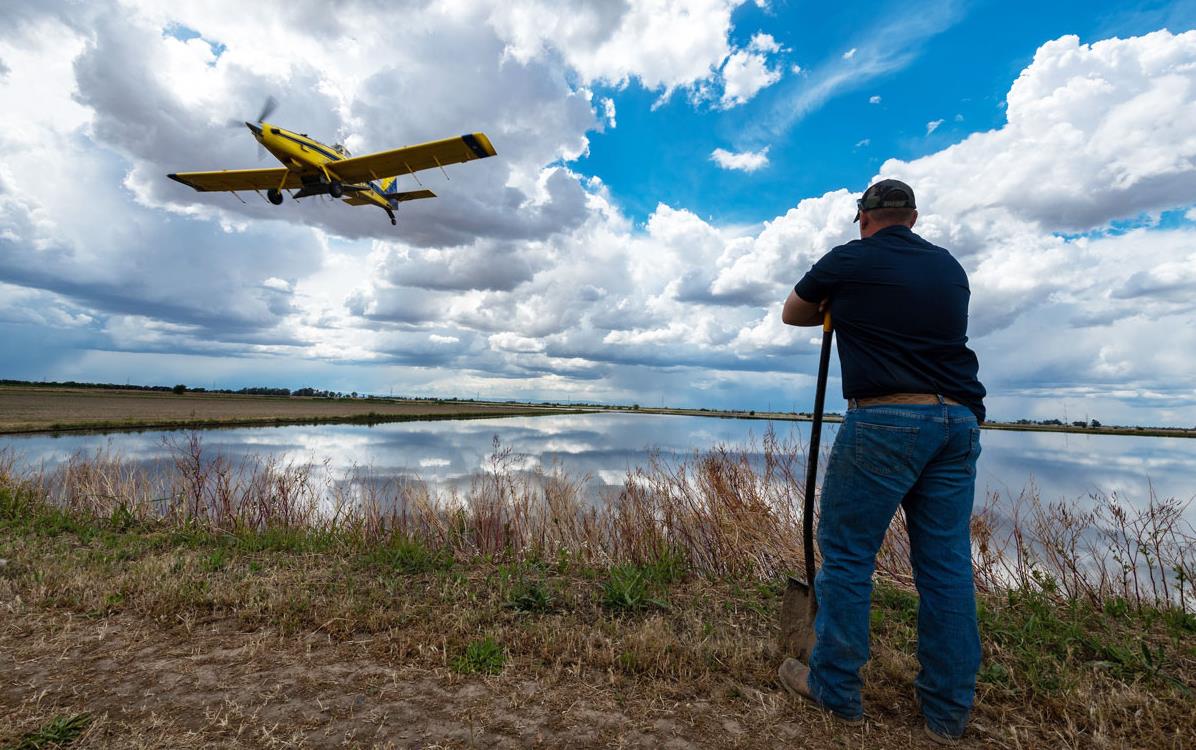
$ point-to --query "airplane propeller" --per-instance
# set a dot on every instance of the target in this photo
(268, 108)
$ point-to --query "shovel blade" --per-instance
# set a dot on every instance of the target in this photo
(797, 621)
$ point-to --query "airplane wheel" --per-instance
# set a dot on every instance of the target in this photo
(393, 222)
(335, 189)
(274, 196)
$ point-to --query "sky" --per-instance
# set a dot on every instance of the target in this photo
(666, 172)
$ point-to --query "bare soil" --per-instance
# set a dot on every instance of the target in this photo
(53, 409)
(153, 684)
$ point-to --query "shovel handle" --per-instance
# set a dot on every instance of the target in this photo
(824, 360)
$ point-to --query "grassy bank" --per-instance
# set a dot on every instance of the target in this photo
(41, 409)
(525, 614)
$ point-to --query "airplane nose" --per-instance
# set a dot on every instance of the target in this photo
(257, 129)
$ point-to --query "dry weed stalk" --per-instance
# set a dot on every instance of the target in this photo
(724, 512)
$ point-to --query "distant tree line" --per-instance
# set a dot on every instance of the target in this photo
(182, 388)
(1059, 423)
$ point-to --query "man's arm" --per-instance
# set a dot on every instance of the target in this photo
(798, 312)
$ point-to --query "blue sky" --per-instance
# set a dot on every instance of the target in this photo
(958, 75)
(597, 258)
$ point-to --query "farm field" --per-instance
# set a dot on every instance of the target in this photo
(25, 410)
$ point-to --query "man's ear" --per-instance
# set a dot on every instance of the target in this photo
(913, 219)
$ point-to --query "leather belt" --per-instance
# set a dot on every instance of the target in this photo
(901, 398)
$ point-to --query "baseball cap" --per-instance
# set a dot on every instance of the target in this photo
(885, 194)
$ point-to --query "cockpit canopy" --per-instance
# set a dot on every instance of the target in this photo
(340, 149)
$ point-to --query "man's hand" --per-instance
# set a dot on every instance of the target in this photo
(798, 312)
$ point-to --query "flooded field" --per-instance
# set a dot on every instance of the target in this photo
(603, 447)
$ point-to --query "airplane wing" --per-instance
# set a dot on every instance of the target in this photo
(238, 179)
(413, 158)
(411, 195)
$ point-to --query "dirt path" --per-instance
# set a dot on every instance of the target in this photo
(149, 685)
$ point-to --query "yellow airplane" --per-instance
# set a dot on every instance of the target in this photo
(311, 168)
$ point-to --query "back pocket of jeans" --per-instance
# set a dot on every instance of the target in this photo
(883, 449)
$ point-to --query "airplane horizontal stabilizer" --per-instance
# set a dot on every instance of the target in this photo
(410, 195)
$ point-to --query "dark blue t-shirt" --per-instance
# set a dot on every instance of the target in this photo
(900, 311)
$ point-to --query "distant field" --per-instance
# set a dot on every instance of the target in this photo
(54, 409)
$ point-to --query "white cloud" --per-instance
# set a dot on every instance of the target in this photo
(932, 126)
(670, 44)
(762, 42)
(863, 142)
(746, 71)
(1190, 214)
(608, 111)
(746, 161)
(849, 53)
(874, 99)
(1094, 132)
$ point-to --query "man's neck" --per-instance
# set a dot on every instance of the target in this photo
(886, 227)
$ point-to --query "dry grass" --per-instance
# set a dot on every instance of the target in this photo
(642, 620)
(59, 409)
(720, 513)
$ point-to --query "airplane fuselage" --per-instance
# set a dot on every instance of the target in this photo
(315, 164)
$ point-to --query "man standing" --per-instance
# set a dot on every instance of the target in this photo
(910, 438)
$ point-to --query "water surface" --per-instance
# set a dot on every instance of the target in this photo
(604, 446)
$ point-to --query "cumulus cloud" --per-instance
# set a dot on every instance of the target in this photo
(932, 126)
(745, 161)
(874, 99)
(746, 71)
(1095, 132)
(666, 45)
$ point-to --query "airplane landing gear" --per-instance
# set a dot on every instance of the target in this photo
(274, 196)
(391, 214)
(335, 189)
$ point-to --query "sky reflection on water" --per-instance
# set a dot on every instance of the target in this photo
(605, 446)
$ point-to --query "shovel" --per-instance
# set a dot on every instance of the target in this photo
(800, 602)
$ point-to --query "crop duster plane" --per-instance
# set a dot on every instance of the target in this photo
(312, 168)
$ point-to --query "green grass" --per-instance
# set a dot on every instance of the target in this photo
(480, 657)
(631, 588)
(1041, 640)
(406, 556)
(59, 732)
(531, 596)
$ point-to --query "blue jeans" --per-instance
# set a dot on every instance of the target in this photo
(922, 458)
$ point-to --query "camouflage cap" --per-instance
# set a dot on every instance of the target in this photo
(885, 194)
